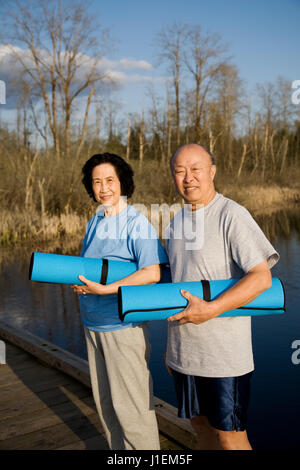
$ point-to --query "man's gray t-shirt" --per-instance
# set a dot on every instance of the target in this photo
(228, 244)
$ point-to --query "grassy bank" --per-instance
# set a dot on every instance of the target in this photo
(67, 228)
(17, 227)
(263, 199)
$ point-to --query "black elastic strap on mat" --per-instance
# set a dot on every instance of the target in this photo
(31, 266)
(104, 271)
(206, 291)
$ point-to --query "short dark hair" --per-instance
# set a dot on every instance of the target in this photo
(122, 168)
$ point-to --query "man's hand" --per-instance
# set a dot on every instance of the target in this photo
(197, 311)
(256, 280)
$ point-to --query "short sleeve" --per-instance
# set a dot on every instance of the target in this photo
(248, 244)
(145, 243)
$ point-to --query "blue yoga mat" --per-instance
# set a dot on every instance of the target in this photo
(65, 269)
(160, 301)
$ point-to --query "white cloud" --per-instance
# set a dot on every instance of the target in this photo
(128, 64)
(125, 64)
(122, 72)
(118, 69)
(121, 78)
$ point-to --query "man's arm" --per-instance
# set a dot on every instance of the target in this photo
(256, 281)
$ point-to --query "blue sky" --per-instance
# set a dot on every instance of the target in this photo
(263, 35)
(263, 38)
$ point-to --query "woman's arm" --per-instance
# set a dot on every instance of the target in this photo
(148, 275)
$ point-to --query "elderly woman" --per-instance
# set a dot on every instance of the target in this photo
(118, 353)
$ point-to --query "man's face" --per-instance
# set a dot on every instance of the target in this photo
(194, 175)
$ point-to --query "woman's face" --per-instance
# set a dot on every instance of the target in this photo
(106, 185)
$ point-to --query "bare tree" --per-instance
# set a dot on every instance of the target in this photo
(230, 103)
(170, 40)
(286, 110)
(203, 57)
(266, 95)
(59, 54)
(142, 141)
(128, 140)
(169, 126)
(158, 129)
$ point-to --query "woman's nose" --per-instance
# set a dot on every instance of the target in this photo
(103, 186)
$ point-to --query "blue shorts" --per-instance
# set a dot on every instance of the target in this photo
(223, 400)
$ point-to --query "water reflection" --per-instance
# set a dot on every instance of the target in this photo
(52, 312)
(47, 310)
(280, 224)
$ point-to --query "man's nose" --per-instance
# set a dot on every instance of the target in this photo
(188, 176)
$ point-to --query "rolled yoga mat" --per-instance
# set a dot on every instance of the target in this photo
(160, 301)
(65, 269)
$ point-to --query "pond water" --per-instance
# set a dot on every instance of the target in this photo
(52, 313)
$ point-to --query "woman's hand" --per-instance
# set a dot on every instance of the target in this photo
(90, 287)
(147, 275)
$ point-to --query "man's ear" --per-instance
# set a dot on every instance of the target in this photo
(213, 170)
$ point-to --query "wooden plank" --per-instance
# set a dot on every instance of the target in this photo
(19, 391)
(43, 418)
(51, 354)
(28, 378)
(43, 383)
(21, 403)
(93, 443)
(167, 444)
(15, 355)
(28, 368)
(60, 435)
(178, 429)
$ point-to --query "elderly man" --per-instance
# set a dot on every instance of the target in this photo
(211, 358)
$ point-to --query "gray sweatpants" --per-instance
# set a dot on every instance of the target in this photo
(122, 387)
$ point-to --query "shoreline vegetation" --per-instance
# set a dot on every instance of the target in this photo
(65, 230)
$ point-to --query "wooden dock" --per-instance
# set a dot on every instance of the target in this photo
(46, 401)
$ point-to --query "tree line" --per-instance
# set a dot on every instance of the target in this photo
(57, 47)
